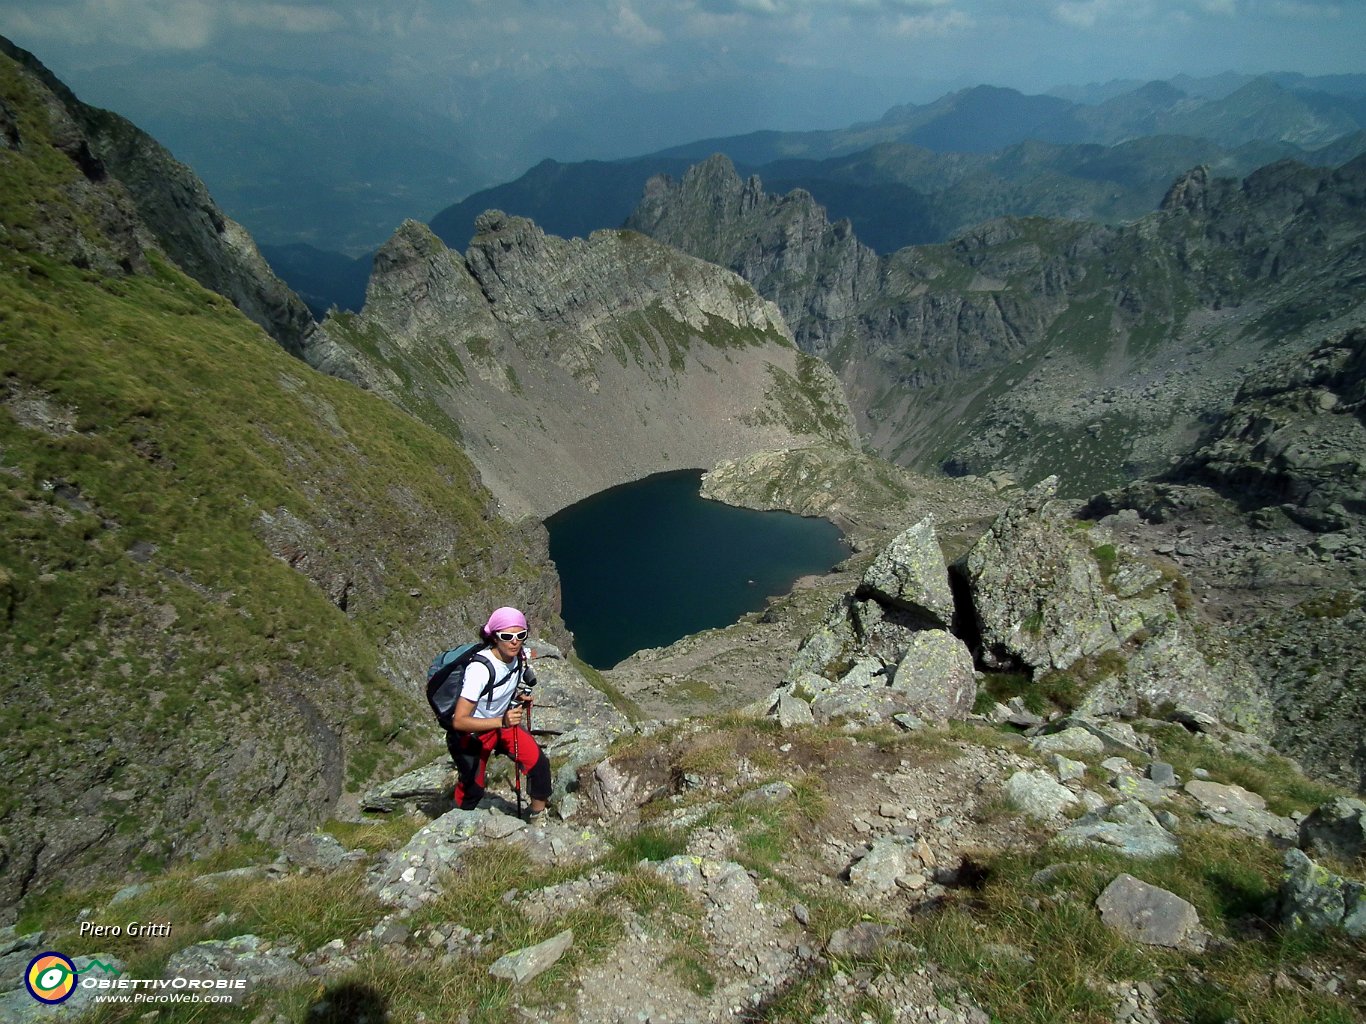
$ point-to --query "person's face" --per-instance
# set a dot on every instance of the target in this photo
(509, 642)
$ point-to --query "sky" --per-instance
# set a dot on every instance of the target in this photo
(472, 92)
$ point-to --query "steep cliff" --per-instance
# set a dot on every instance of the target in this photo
(568, 366)
(175, 206)
(222, 574)
(1041, 346)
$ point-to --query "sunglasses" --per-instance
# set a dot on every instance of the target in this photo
(509, 637)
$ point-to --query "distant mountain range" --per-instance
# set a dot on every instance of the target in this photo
(922, 173)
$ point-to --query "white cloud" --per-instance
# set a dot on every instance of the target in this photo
(1089, 13)
(145, 24)
(160, 24)
(791, 8)
(1086, 13)
(925, 26)
(632, 27)
(297, 18)
(1298, 9)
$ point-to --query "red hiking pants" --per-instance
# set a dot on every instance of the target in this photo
(471, 752)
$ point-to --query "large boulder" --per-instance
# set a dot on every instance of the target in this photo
(1236, 807)
(1152, 916)
(1313, 897)
(910, 574)
(936, 677)
(884, 649)
(1336, 829)
(1129, 828)
(1168, 667)
(1051, 595)
(1038, 593)
(1038, 794)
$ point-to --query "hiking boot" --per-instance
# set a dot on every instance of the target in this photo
(538, 819)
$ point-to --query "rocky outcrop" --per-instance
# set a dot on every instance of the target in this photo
(784, 245)
(533, 349)
(1316, 899)
(1336, 829)
(1054, 598)
(1268, 518)
(1096, 625)
(867, 497)
(1038, 592)
(93, 223)
(885, 649)
(174, 206)
(1294, 437)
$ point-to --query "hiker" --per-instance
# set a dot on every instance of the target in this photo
(485, 716)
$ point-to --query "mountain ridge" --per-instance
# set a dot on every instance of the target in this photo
(944, 349)
(573, 340)
(179, 212)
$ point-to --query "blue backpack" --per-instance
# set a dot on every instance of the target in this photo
(445, 665)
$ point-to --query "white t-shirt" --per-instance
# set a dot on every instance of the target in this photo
(506, 678)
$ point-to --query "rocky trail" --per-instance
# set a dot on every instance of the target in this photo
(787, 833)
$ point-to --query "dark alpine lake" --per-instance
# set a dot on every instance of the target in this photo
(649, 562)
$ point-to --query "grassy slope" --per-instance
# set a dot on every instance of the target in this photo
(151, 637)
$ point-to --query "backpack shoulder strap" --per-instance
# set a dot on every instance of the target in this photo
(487, 694)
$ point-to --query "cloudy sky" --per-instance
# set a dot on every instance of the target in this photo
(485, 88)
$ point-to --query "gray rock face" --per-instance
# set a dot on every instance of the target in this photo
(1037, 590)
(316, 850)
(431, 782)
(791, 711)
(1314, 898)
(963, 311)
(1153, 916)
(1038, 794)
(1336, 829)
(534, 348)
(1129, 828)
(244, 956)
(1239, 808)
(881, 650)
(910, 574)
(613, 792)
(861, 940)
(1043, 603)
(566, 701)
(937, 677)
(1073, 740)
(786, 246)
(891, 859)
(524, 964)
(1292, 436)
(413, 875)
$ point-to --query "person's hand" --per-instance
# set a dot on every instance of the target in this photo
(513, 716)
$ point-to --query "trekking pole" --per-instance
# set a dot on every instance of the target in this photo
(522, 697)
(517, 774)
